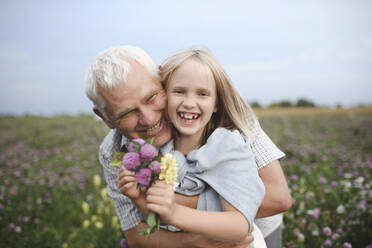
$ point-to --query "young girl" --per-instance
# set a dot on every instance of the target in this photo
(212, 126)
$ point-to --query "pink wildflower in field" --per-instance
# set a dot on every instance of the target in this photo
(14, 190)
(123, 243)
(327, 243)
(314, 213)
(143, 176)
(327, 231)
(362, 205)
(131, 161)
(335, 236)
(322, 180)
(1, 206)
(347, 245)
(309, 195)
(18, 229)
(334, 184)
(148, 152)
(11, 226)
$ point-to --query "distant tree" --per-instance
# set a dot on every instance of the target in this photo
(255, 104)
(304, 103)
(339, 105)
(285, 104)
(281, 104)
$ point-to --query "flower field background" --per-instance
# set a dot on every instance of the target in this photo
(52, 192)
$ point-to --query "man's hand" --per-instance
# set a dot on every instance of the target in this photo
(127, 184)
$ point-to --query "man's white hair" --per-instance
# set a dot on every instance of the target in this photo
(110, 68)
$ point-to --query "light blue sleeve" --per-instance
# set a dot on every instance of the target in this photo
(226, 163)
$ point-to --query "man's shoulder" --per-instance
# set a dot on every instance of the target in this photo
(110, 144)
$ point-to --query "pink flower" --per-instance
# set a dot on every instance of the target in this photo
(327, 231)
(131, 161)
(328, 243)
(148, 152)
(143, 176)
(123, 243)
(362, 205)
(155, 166)
(347, 245)
(315, 213)
(132, 144)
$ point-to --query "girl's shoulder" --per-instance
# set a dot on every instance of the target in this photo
(224, 134)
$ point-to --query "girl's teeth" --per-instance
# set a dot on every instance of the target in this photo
(189, 116)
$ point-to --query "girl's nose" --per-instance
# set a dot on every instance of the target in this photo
(189, 102)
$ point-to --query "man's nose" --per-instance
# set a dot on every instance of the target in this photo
(147, 116)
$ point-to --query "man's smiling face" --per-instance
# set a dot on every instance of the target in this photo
(136, 107)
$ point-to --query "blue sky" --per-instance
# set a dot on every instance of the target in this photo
(273, 50)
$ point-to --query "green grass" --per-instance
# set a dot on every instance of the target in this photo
(47, 167)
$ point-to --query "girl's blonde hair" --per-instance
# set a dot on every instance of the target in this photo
(233, 112)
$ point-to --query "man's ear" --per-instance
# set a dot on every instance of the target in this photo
(107, 122)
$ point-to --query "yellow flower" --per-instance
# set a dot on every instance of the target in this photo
(104, 194)
(169, 170)
(107, 210)
(98, 225)
(115, 221)
(65, 245)
(86, 223)
(94, 218)
(85, 207)
(97, 181)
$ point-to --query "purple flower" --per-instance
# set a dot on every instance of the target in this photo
(132, 144)
(335, 236)
(131, 161)
(315, 213)
(362, 205)
(155, 166)
(347, 245)
(327, 231)
(148, 152)
(309, 195)
(334, 184)
(322, 180)
(143, 176)
(123, 243)
(327, 243)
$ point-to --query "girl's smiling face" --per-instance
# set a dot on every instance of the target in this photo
(192, 98)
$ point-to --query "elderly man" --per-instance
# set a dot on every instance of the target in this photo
(124, 85)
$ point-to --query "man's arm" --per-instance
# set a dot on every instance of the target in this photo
(277, 197)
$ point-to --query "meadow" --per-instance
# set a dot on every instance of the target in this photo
(52, 193)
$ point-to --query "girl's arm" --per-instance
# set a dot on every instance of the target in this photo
(127, 184)
(227, 225)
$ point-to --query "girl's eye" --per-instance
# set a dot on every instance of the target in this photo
(203, 93)
(178, 91)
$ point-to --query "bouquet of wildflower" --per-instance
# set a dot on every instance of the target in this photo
(149, 166)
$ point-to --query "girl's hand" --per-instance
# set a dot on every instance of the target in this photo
(127, 184)
(161, 200)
